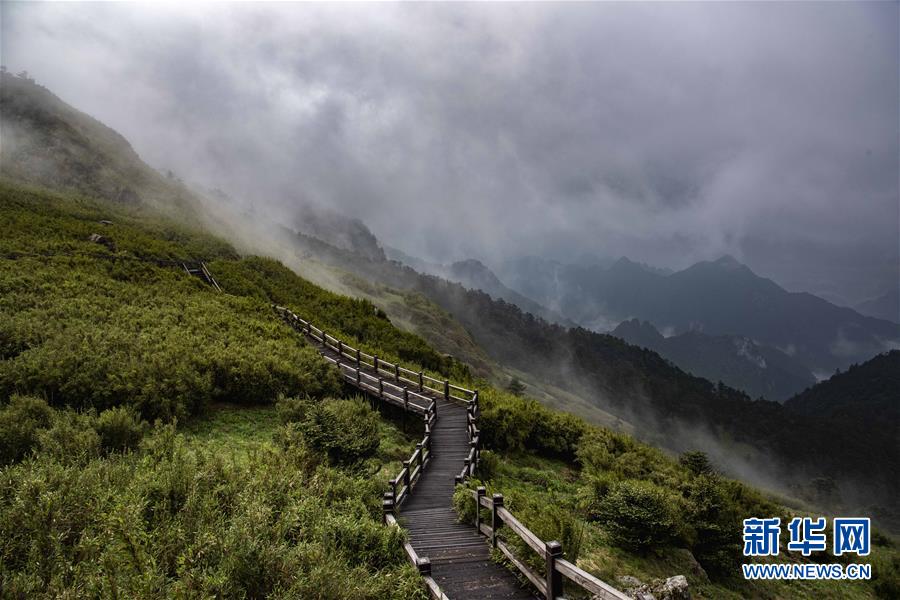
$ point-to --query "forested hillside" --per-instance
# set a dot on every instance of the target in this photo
(665, 404)
(761, 371)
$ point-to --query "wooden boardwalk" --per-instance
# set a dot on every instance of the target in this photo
(460, 559)
(452, 557)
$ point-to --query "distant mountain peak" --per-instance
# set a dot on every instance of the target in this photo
(475, 272)
(637, 331)
(727, 261)
(625, 264)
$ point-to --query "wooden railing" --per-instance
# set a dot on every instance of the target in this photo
(550, 583)
(386, 386)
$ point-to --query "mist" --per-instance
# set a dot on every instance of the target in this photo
(669, 133)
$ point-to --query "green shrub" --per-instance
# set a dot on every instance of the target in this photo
(20, 422)
(598, 449)
(70, 438)
(713, 525)
(345, 430)
(696, 461)
(488, 463)
(637, 515)
(464, 504)
(120, 429)
(292, 410)
(513, 423)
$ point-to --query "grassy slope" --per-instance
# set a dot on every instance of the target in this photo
(220, 509)
(229, 449)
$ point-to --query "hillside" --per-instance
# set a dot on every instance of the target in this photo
(758, 370)
(475, 275)
(885, 306)
(235, 498)
(47, 142)
(721, 297)
(865, 397)
(646, 392)
(237, 491)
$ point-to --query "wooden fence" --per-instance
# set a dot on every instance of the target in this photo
(386, 386)
(550, 583)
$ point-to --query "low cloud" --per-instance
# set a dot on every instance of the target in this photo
(667, 132)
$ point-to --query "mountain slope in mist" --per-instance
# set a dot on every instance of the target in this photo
(338, 230)
(47, 142)
(722, 297)
(660, 401)
(475, 275)
(885, 306)
(759, 370)
(665, 404)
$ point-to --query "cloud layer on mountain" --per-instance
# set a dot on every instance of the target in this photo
(666, 132)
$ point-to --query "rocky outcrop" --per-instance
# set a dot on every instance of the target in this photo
(673, 588)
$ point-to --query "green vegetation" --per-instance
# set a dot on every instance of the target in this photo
(98, 341)
(161, 439)
(605, 376)
(188, 515)
(620, 507)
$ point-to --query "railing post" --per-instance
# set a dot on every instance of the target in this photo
(340, 348)
(405, 401)
(479, 494)
(387, 504)
(397, 373)
(358, 376)
(393, 484)
(419, 447)
(380, 387)
(308, 328)
(496, 522)
(474, 458)
(446, 390)
(324, 339)
(421, 381)
(423, 564)
(554, 578)
(406, 475)
(375, 361)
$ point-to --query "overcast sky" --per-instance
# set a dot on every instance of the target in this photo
(667, 132)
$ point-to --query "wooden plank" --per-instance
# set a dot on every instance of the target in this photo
(523, 532)
(434, 590)
(533, 577)
(589, 582)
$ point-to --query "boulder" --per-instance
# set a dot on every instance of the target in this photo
(102, 239)
(673, 588)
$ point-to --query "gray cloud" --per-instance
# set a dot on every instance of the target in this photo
(668, 132)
